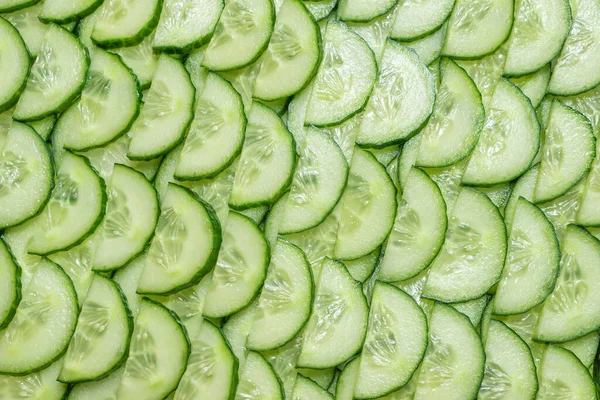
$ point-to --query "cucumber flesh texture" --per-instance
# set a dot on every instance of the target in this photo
(509, 141)
(359, 11)
(97, 390)
(457, 120)
(319, 181)
(345, 78)
(284, 304)
(419, 229)
(212, 369)
(454, 362)
(267, 162)
(158, 354)
(240, 270)
(141, 59)
(568, 152)
(532, 262)
(237, 329)
(31, 29)
(588, 215)
(63, 11)
(538, 34)
(574, 70)
(571, 310)
(14, 5)
(510, 372)
(486, 73)
(38, 385)
(534, 85)
(472, 309)
(429, 47)
(186, 24)
(127, 278)
(362, 268)
(416, 19)
(395, 343)
(586, 103)
(107, 107)
(57, 76)
(101, 340)
(402, 98)
(26, 173)
(77, 263)
(120, 23)
(44, 322)
(320, 9)
(322, 377)
(131, 216)
(562, 374)
(345, 385)
(166, 114)
(44, 127)
(475, 247)
(185, 245)
(14, 66)
(339, 314)
(307, 389)
(11, 286)
(368, 208)
(584, 348)
(241, 36)
(524, 187)
(478, 28)
(258, 380)
(216, 133)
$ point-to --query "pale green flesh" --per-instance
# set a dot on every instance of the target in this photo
(258, 380)
(119, 22)
(416, 19)
(561, 374)
(38, 385)
(306, 389)
(10, 285)
(13, 66)
(65, 11)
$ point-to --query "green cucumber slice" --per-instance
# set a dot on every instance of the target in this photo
(141, 60)
(472, 309)
(588, 214)
(64, 11)
(258, 381)
(562, 374)
(14, 65)
(185, 245)
(40, 331)
(534, 85)
(236, 330)
(320, 9)
(429, 47)
(307, 389)
(26, 175)
(345, 385)
(362, 268)
(31, 29)
(11, 286)
(40, 385)
(416, 19)
(57, 76)
(585, 348)
(127, 278)
(44, 127)
(97, 390)
(14, 5)
(362, 11)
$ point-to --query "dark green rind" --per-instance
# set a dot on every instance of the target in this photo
(18, 289)
(17, 7)
(8, 104)
(73, 17)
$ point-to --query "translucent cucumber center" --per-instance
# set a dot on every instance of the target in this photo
(115, 10)
(555, 389)
(440, 122)
(248, 390)
(469, 13)
(277, 292)
(179, 14)
(13, 170)
(305, 187)
(93, 97)
(334, 82)
(187, 303)
(208, 121)
(571, 289)
(21, 387)
(159, 102)
(386, 100)
(32, 313)
(45, 71)
(553, 156)
(328, 310)
(520, 254)
(438, 365)
(237, 20)
(118, 219)
(381, 348)
(493, 139)
(231, 265)
(407, 227)
(529, 25)
(496, 382)
(259, 147)
(93, 321)
(581, 39)
(283, 47)
(142, 362)
(357, 198)
(167, 245)
(64, 195)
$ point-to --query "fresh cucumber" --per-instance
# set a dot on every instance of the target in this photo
(14, 66)
(11, 286)
(416, 19)
(562, 374)
(64, 11)
(38, 385)
(258, 380)
(360, 11)
(307, 389)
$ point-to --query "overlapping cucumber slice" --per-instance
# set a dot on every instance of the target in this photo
(14, 65)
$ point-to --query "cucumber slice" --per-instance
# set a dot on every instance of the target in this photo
(320, 9)
(345, 78)
(532, 262)
(571, 310)
(293, 55)
(562, 374)
(167, 112)
(345, 385)
(319, 181)
(236, 330)
(307, 389)
(368, 208)
(322, 377)
(419, 229)
(241, 268)
(26, 175)
(362, 268)
(267, 161)
(568, 151)
(509, 369)
(44, 127)
(416, 19)
(509, 141)
(65, 11)
(472, 256)
(14, 5)
(57, 76)
(361, 11)
(77, 263)
(586, 103)
(14, 65)
(402, 99)
(285, 302)
(44, 322)
(538, 35)
(216, 134)
(74, 211)
(472, 309)
(120, 23)
(141, 59)
(339, 315)
(584, 348)
(127, 278)
(534, 85)
(186, 24)
(40, 385)
(524, 187)
(11, 286)
(574, 70)
(185, 245)
(457, 120)
(258, 381)
(97, 390)
(588, 214)
(241, 36)
(395, 343)
(429, 47)
(478, 28)
(486, 73)
(454, 362)
(31, 29)
(158, 355)
(101, 340)
(108, 105)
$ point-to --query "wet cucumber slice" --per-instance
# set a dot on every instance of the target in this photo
(339, 315)
(534, 85)
(14, 65)
(131, 215)
(562, 374)
(509, 369)
(186, 24)
(167, 112)
(241, 36)
(472, 309)
(128, 278)
(402, 98)
(31, 29)
(362, 268)
(419, 229)
(293, 55)
(285, 302)
(64, 11)
(532, 262)
(307, 389)
(11, 286)
(185, 245)
(26, 175)
(345, 78)
(395, 343)
(44, 127)
(588, 214)
(362, 11)
(429, 47)
(416, 19)
(320, 9)
(100, 343)
(40, 331)
(40, 385)
(158, 354)
(345, 385)
(258, 380)
(216, 134)
(108, 105)
(140, 59)
(97, 390)
(57, 76)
